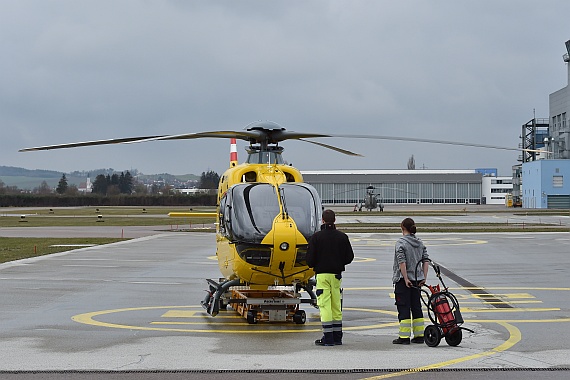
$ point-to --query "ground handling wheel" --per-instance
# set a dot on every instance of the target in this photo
(432, 336)
(454, 338)
(251, 317)
(300, 317)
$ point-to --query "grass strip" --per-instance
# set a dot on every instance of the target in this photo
(22, 248)
(104, 220)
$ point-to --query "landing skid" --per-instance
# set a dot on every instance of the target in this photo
(271, 305)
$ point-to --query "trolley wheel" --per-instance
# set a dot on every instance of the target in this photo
(300, 317)
(454, 338)
(251, 317)
(432, 336)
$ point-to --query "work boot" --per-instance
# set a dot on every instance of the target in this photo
(337, 338)
(418, 339)
(326, 340)
(401, 341)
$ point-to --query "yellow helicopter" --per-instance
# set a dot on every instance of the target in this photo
(265, 217)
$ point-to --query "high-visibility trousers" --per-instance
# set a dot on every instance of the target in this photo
(329, 300)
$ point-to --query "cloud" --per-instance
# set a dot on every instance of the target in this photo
(467, 71)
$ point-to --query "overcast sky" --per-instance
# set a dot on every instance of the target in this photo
(470, 71)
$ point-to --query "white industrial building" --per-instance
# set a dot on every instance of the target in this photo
(494, 189)
(543, 181)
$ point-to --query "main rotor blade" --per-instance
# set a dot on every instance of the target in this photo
(344, 151)
(268, 136)
(89, 143)
(430, 141)
(254, 135)
(242, 135)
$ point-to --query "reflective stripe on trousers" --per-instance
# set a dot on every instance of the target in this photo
(407, 326)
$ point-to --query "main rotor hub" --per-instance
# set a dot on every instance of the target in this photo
(268, 132)
(264, 126)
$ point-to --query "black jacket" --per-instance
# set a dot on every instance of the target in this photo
(329, 250)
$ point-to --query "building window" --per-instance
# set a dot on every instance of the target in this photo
(557, 181)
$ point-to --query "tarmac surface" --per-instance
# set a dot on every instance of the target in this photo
(131, 310)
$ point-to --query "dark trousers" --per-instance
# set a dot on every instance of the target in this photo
(408, 301)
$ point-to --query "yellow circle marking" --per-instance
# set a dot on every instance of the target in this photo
(89, 319)
(356, 259)
(363, 259)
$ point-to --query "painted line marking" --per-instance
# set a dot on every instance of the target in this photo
(89, 319)
(465, 288)
(484, 297)
(493, 302)
(504, 295)
(560, 320)
(179, 314)
(363, 259)
(430, 242)
(228, 323)
(73, 245)
(510, 310)
(194, 314)
(91, 266)
(515, 336)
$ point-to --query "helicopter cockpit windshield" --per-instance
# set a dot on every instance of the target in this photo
(248, 210)
(254, 206)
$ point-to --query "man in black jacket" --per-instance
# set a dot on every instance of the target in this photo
(328, 253)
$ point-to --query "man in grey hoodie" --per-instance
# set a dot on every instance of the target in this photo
(408, 278)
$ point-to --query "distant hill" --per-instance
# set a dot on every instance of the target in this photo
(10, 171)
(28, 179)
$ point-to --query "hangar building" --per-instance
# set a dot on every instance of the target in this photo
(397, 186)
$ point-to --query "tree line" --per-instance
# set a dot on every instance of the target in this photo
(108, 190)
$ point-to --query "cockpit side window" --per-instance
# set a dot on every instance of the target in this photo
(250, 176)
(303, 204)
(264, 157)
(224, 216)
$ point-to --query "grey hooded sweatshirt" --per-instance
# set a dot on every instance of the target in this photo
(410, 250)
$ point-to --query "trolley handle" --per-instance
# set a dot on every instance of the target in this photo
(436, 268)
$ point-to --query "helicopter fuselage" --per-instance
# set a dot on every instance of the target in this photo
(266, 215)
